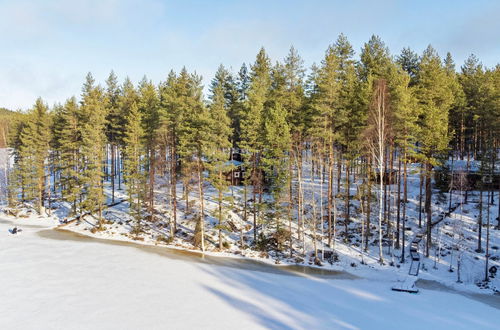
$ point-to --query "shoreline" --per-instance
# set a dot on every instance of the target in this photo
(492, 300)
(214, 258)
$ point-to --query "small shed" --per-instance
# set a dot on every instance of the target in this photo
(236, 175)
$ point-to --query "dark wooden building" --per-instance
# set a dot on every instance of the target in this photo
(236, 175)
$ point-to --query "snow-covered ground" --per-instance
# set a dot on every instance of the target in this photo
(154, 286)
(4, 166)
(455, 236)
(54, 280)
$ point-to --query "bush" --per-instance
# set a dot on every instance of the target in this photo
(275, 241)
(165, 239)
(280, 237)
(97, 228)
(262, 242)
(136, 230)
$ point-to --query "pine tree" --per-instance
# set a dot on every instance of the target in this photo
(457, 113)
(293, 100)
(405, 131)
(299, 118)
(237, 113)
(68, 135)
(133, 167)
(114, 118)
(375, 59)
(149, 108)
(114, 124)
(325, 99)
(92, 147)
(471, 77)
(435, 98)
(351, 115)
(127, 97)
(251, 125)
(405, 112)
(41, 138)
(409, 61)
(221, 133)
(243, 82)
(194, 143)
(276, 137)
(22, 179)
(171, 116)
(31, 153)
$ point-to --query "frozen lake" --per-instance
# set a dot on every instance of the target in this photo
(55, 281)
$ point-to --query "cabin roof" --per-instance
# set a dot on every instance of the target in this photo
(233, 163)
(460, 165)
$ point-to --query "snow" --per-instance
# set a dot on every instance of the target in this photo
(108, 279)
(4, 166)
(462, 165)
(54, 280)
(460, 229)
(234, 163)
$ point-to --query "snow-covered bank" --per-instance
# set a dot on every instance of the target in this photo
(118, 232)
(52, 284)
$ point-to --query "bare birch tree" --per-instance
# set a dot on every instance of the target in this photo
(377, 135)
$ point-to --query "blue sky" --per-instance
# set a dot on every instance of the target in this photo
(48, 46)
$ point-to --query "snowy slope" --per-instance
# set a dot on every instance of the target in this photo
(457, 231)
(4, 165)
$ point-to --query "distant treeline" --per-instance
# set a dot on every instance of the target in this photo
(6, 119)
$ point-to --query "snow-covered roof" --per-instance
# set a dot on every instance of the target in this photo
(233, 163)
(460, 165)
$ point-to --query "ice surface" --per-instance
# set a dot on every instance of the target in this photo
(75, 284)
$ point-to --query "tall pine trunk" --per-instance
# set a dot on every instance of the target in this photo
(290, 201)
(405, 200)
(398, 201)
(420, 196)
(368, 206)
(113, 172)
(118, 167)
(254, 193)
(152, 171)
(428, 207)
(202, 204)
(347, 201)
(173, 182)
(330, 192)
(480, 221)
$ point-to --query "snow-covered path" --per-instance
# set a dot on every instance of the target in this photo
(68, 284)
